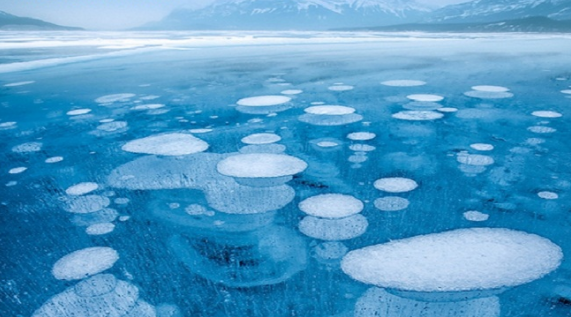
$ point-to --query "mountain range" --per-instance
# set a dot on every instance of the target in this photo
(11, 22)
(339, 14)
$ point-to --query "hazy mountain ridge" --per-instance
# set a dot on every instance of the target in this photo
(293, 14)
(12, 22)
(496, 10)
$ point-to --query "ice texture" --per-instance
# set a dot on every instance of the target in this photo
(458, 260)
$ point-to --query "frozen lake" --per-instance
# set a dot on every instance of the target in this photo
(285, 174)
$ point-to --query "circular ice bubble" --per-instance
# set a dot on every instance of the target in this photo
(425, 97)
(391, 203)
(263, 101)
(78, 112)
(334, 229)
(474, 159)
(541, 129)
(329, 110)
(331, 206)
(292, 92)
(488, 94)
(361, 148)
(546, 114)
(490, 88)
(112, 126)
(199, 131)
(114, 98)
(340, 88)
(97, 285)
(357, 158)
(566, 91)
(263, 148)
(81, 188)
(148, 106)
(535, 141)
(261, 138)
(17, 170)
(403, 83)
(447, 109)
(422, 105)
(453, 261)
(476, 216)
(169, 144)
(482, 146)
(361, 136)
(547, 195)
(417, 115)
(330, 250)
(54, 159)
(8, 125)
(27, 147)
(21, 83)
(86, 204)
(327, 144)
(85, 262)
(395, 184)
(100, 228)
(260, 165)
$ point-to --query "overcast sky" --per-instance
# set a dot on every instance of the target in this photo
(113, 14)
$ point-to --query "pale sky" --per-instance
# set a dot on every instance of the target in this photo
(113, 14)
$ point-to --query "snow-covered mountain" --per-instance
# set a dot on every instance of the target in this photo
(12, 22)
(292, 14)
(496, 10)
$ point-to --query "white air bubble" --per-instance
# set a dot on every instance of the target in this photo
(84, 263)
(17, 170)
(403, 83)
(78, 112)
(331, 206)
(546, 114)
(395, 184)
(547, 195)
(391, 203)
(482, 146)
(476, 216)
(100, 229)
(361, 136)
(81, 188)
(171, 144)
(425, 97)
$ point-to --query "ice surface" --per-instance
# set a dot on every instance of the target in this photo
(331, 206)
(84, 263)
(261, 101)
(169, 144)
(261, 138)
(425, 97)
(458, 260)
(334, 229)
(418, 115)
(361, 136)
(81, 188)
(329, 110)
(391, 203)
(261, 165)
(395, 184)
(546, 114)
(403, 83)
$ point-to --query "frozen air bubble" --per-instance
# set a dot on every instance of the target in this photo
(112, 126)
(422, 105)
(417, 115)
(391, 203)
(84, 263)
(331, 206)
(200, 131)
(329, 110)
(261, 138)
(488, 88)
(292, 92)
(535, 141)
(148, 106)
(476, 216)
(17, 170)
(425, 97)
(447, 109)
(21, 83)
(488, 94)
(114, 98)
(482, 146)
(263, 148)
(8, 125)
(361, 136)
(54, 159)
(317, 103)
(361, 147)
(474, 159)
(11, 183)
(78, 112)
(263, 101)
(150, 97)
(455, 261)
(403, 83)
(198, 210)
(327, 144)
(566, 91)
(340, 88)
(357, 158)
(27, 147)
(260, 165)
(81, 188)
(395, 184)
(170, 144)
(334, 229)
(330, 250)
(547, 195)
(100, 229)
(541, 129)
(121, 201)
(86, 204)
(546, 114)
